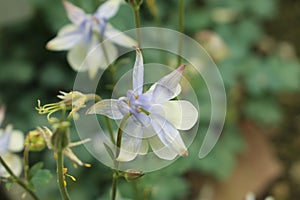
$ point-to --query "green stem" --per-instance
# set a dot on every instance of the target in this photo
(181, 30)
(61, 176)
(136, 10)
(119, 143)
(25, 161)
(17, 179)
(110, 130)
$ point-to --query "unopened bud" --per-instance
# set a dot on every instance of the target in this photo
(131, 175)
(35, 141)
(60, 138)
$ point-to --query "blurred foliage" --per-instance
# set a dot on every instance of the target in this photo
(254, 77)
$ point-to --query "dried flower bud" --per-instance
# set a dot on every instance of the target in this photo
(35, 141)
(131, 175)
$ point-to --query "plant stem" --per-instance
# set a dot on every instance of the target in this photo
(61, 176)
(110, 130)
(136, 9)
(180, 29)
(25, 161)
(119, 143)
(17, 179)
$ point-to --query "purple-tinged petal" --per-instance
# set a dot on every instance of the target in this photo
(107, 107)
(4, 138)
(133, 128)
(75, 14)
(118, 37)
(108, 9)
(167, 86)
(77, 55)
(168, 134)
(138, 73)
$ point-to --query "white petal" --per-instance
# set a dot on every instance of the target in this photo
(108, 9)
(99, 56)
(16, 142)
(14, 162)
(77, 55)
(68, 152)
(176, 92)
(182, 114)
(168, 134)
(75, 14)
(130, 147)
(134, 127)
(161, 150)
(138, 73)
(107, 107)
(166, 87)
(4, 138)
(64, 41)
(118, 37)
(144, 147)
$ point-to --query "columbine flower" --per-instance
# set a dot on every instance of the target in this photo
(10, 141)
(86, 32)
(47, 134)
(154, 117)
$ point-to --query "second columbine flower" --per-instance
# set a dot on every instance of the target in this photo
(154, 116)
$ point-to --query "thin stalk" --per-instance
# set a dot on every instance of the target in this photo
(61, 176)
(119, 143)
(110, 130)
(17, 179)
(26, 161)
(136, 10)
(180, 29)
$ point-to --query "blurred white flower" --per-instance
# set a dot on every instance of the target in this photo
(251, 196)
(154, 118)
(85, 33)
(10, 141)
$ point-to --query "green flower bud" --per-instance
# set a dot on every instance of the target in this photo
(60, 138)
(35, 141)
(131, 175)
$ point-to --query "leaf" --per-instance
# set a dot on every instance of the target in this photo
(8, 185)
(35, 168)
(42, 176)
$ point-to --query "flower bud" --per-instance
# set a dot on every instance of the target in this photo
(35, 141)
(60, 138)
(131, 175)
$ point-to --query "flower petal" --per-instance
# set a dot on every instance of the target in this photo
(134, 127)
(68, 152)
(14, 162)
(108, 9)
(75, 14)
(77, 55)
(162, 151)
(176, 92)
(182, 114)
(16, 142)
(4, 138)
(118, 37)
(138, 73)
(107, 107)
(167, 86)
(168, 134)
(130, 147)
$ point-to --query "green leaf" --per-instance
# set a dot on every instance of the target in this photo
(8, 185)
(42, 176)
(35, 168)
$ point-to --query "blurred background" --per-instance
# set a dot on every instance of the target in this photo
(254, 43)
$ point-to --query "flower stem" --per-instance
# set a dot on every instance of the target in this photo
(25, 161)
(180, 29)
(17, 179)
(119, 142)
(136, 10)
(61, 176)
(110, 130)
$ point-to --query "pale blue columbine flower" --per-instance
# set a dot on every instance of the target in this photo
(154, 118)
(10, 141)
(85, 33)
